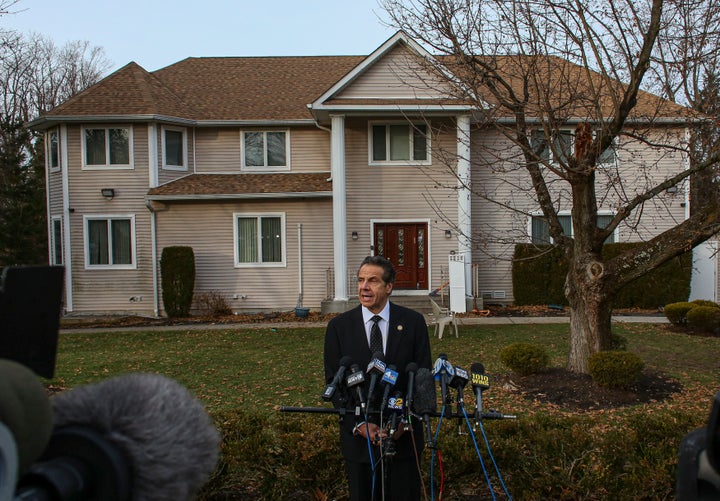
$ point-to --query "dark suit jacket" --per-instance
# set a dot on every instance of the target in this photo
(407, 342)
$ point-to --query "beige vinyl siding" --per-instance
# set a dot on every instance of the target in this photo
(400, 74)
(219, 149)
(208, 229)
(497, 176)
(105, 290)
(397, 193)
(55, 192)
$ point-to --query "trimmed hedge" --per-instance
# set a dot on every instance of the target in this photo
(539, 273)
(177, 268)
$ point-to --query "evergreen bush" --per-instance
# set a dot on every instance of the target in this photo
(524, 358)
(615, 369)
(676, 313)
(177, 268)
(704, 318)
(539, 273)
(704, 302)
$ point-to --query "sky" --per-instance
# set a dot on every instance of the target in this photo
(157, 33)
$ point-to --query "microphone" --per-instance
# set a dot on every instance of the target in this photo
(443, 371)
(25, 411)
(459, 380)
(480, 383)
(411, 369)
(139, 436)
(388, 380)
(425, 398)
(330, 389)
(395, 406)
(376, 368)
(356, 380)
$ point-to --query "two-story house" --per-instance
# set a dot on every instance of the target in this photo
(282, 173)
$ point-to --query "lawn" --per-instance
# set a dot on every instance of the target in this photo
(243, 376)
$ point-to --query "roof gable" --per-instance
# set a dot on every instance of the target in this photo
(399, 69)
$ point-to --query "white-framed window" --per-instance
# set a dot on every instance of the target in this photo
(266, 150)
(56, 241)
(174, 148)
(107, 147)
(259, 239)
(540, 230)
(403, 143)
(53, 150)
(110, 241)
(563, 146)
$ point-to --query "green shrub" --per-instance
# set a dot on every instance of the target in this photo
(539, 273)
(704, 302)
(524, 358)
(177, 267)
(704, 318)
(676, 312)
(615, 369)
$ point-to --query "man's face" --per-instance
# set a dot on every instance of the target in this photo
(372, 290)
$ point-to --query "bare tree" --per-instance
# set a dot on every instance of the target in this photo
(562, 88)
(35, 76)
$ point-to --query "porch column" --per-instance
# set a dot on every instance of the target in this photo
(337, 167)
(464, 209)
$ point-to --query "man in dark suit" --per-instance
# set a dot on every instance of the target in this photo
(404, 340)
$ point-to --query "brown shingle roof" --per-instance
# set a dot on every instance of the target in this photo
(129, 91)
(279, 88)
(238, 185)
(255, 88)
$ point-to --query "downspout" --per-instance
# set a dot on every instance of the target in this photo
(153, 246)
(300, 267)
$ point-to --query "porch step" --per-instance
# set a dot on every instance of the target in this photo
(417, 303)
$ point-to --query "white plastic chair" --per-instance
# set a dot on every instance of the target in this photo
(442, 317)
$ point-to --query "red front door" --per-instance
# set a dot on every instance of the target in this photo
(405, 244)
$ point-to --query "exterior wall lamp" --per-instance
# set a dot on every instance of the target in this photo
(108, 193)
(354, 235)
(448, 233)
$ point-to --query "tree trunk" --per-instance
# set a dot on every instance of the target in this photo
(590, 312)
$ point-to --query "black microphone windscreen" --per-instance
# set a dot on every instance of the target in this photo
(25, 411)
(345, 361)
(425, 395)
(165, 432)
(411, 367)
(477, 368)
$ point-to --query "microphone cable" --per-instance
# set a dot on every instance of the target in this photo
(492, 457)
(370, 454)
(417, 455)
(436, 451)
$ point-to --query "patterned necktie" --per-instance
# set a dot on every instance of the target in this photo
(376, 341)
